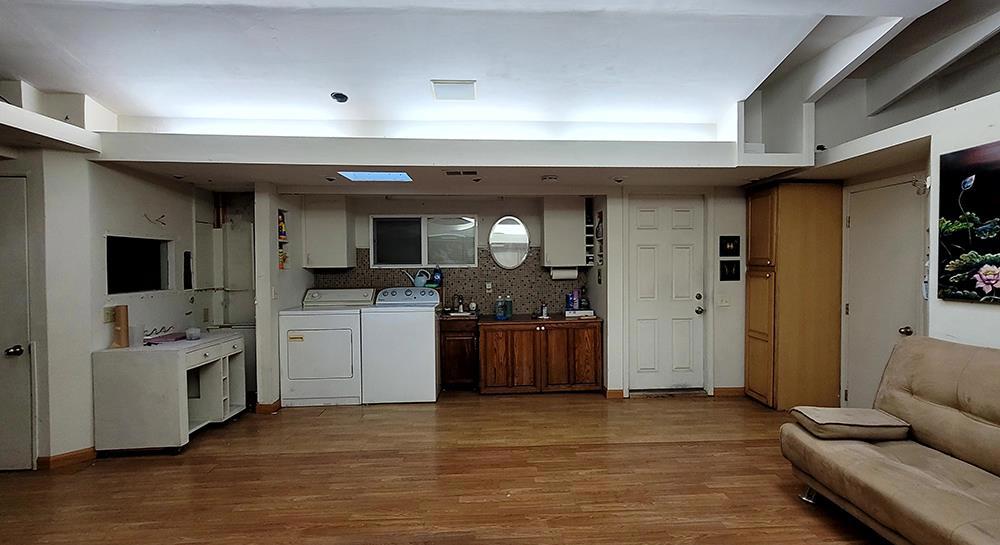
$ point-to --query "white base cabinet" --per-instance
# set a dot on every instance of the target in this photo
(156, 396)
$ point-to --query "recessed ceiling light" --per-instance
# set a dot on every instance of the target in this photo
(454, 89)
(372, 176)
(339, 97)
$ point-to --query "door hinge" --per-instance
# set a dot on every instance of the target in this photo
(846, 399)
(848, 222)
(847, 309)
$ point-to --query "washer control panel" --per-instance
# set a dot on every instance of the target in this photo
(408, 296)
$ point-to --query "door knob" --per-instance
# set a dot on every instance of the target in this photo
(699, 310)
(14, 351)
(906, 331)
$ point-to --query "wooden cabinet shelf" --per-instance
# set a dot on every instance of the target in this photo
(525, 355)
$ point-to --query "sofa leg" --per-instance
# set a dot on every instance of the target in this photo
(808, 495)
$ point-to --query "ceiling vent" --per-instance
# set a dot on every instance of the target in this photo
(461, 173)
(454, 89)
(549, 178)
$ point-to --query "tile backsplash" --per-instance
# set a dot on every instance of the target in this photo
(529, 285)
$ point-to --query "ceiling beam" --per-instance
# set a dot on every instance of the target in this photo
(830, 67)
(23, 129)
(8, 152)
(890, 85)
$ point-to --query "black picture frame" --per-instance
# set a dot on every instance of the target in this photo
(729, 246)
(969, 225)
(729, 270)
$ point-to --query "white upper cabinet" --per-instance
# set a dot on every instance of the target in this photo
(564, 232)
(327, 233)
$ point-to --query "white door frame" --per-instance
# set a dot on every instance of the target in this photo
(708, 198)
(920, 176)
(32, 345)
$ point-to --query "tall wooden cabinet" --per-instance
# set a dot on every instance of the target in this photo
(793, 294)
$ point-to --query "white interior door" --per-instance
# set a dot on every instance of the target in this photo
(886, 256)
(666, 293)
(15, 364)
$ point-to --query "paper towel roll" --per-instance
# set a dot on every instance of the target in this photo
(567, 273)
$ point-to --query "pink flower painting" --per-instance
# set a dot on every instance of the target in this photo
(988, 278)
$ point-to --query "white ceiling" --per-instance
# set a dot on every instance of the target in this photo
(553, 62)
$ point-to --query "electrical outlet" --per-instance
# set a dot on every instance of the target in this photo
(724, 301)
(489, 287)
(109, 315)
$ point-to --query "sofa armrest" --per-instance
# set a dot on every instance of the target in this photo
(858, 424)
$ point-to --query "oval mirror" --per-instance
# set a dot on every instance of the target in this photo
(509, 242)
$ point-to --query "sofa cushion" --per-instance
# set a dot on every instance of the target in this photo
(948, 394)
(926, 496)
(846, 423)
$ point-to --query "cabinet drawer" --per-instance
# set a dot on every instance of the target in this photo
(458, 326)
(212, 352)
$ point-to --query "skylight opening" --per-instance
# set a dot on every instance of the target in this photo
(374, 176)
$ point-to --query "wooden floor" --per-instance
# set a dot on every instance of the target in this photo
(470, 470)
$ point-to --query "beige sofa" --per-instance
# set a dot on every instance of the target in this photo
(933, 482)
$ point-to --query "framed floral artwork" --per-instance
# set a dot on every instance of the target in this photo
(969, 225)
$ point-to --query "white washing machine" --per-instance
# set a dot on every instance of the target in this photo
(320, 352)
(400, 347)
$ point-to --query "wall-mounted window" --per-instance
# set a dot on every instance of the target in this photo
(424, 241)
(137, 264)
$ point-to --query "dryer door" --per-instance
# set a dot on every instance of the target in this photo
(320, 354)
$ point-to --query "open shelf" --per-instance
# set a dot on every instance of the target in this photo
(197, 424)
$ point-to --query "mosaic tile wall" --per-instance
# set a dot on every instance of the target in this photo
(529, 285)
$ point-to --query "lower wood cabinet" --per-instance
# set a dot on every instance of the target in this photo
(459, 339)
(526, 356)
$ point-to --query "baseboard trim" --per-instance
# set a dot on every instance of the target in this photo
(67, 458)
(268, 408)
(730, 392)
(614, 394)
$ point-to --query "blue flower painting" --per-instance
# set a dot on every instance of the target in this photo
(969, 225)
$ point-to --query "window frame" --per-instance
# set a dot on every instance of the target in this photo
(423, 242)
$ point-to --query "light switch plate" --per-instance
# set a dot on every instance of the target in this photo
(109, 315)
(724, 301)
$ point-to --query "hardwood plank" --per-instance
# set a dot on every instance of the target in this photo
(469, 470)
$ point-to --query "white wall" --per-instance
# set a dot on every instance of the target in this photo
(488, 210)
(967, 125)
(73, 204)
(728, 321)
(276, 289)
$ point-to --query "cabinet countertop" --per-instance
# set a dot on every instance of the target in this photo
(521, 319)
(182, 345)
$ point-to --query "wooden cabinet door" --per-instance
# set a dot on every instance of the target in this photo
(760, 336)
(558, 372)
(510, 358)
(762, 214)
(573, 357)
(459, 360)
(588, 356)
(495, 359)
(526, 345)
